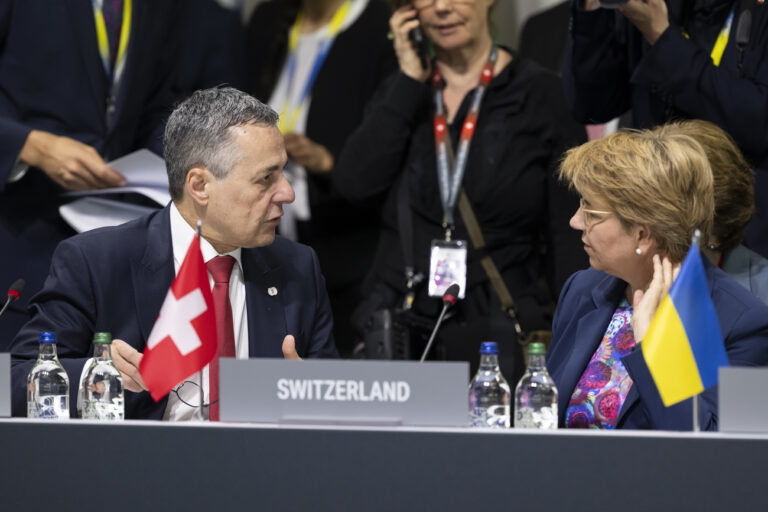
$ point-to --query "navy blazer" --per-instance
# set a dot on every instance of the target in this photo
(583, 313)
(115, 279)
(52, 79)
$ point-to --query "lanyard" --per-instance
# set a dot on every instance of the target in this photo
(103, 39)
(289, 113)
(450, 182)
(722, 38)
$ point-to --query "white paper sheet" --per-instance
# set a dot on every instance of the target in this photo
(95, 212)
(145, 174)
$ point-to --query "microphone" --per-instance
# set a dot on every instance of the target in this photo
(449, 299)
(14, 292)
(743, 31)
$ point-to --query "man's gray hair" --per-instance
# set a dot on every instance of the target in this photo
(198, 132)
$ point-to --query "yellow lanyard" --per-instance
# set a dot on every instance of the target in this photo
(722, 38)
(103, 39)
(289, 114)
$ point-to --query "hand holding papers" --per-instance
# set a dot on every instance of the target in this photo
(144, 173)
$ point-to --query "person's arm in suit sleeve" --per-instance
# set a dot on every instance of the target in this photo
(746, 343)
(374, 154)
(595, 66)
(559, 325)
(65, 306)
(321, 342)
(163, 75)
(13, 134)
(699, 89)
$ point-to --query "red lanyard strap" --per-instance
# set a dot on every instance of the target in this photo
(450, 182)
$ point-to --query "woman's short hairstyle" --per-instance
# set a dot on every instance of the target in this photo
(733, 180)
(662, 181)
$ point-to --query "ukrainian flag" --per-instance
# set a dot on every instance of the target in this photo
(683, 347)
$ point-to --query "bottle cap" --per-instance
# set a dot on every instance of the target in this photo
(47, 337)
(102, 338)
(489, 348)
(537, 348)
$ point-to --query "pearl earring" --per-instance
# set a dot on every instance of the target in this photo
(638, 251)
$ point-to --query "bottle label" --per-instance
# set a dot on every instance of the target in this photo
(102, 410)
(494, 416)
(540, 418)
(49, 407)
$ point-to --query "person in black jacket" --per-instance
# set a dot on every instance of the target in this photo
(346, 40)
(695, 59)
(521, 130)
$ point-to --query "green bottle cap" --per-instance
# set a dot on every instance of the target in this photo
(102, 338)
(537, 348)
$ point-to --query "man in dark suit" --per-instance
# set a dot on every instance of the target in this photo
(225, 158)
(67, 105)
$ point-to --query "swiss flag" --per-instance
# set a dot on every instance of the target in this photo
(183, 339)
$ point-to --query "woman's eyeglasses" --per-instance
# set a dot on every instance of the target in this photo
(189, 394)
(590, 216)
(423, 4)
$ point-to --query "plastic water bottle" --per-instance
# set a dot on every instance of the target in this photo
(102, 385)
(489, 395)
(47, 383)
(536, 393)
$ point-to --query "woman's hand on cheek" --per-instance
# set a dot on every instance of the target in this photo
(646, 303)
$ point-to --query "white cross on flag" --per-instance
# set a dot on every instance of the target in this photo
(183, 339)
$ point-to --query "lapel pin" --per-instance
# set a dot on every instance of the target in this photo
(272, 291)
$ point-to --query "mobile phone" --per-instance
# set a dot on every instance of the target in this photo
(416, 36)
(612, 4)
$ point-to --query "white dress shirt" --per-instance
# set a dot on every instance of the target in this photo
(289, 92)
(181, 236)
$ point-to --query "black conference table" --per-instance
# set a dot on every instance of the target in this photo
(142, 465)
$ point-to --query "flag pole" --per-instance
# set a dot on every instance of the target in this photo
(202, 394)
(696, 427)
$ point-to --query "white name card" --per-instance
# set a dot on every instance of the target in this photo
(344, 391)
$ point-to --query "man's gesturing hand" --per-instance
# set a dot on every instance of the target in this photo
(127, 360)
(289, 348)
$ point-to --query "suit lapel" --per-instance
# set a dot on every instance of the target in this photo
(154, 273)
(81, 15)
(266, 312)
(595, 317)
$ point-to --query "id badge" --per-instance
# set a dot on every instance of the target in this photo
(447, 265)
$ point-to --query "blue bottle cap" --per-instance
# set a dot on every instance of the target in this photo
(47, 337)
(489, 348)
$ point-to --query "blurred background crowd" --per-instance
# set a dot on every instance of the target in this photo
(357, 94)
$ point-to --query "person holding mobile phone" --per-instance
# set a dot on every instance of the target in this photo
(474, 122)
(661, 60)
(318, 62)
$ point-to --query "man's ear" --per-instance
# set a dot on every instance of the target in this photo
(197, 185)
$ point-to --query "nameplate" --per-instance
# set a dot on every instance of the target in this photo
(5, 385)
(743, 400)
(344, 392)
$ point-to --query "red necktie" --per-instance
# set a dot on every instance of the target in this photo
(220, 268)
